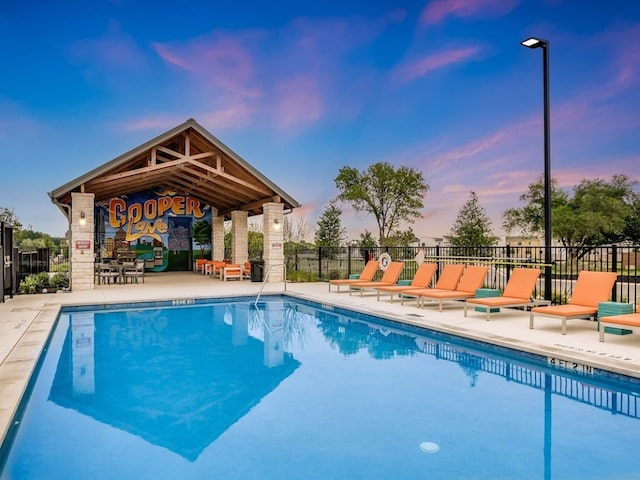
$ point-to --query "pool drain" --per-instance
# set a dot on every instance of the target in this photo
(429, 447)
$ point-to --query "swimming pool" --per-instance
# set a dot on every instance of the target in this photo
(293, 389)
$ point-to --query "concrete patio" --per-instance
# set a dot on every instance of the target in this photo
(26, 321)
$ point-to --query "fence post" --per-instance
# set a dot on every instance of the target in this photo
(614, 268)
(508, 255)
(348, 261)
(1, 275)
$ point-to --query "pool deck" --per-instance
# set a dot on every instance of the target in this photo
(26, 321)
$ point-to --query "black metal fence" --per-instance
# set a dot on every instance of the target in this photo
(325, 263)
(7, 267)
(28, 263)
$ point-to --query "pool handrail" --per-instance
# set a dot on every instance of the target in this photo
(264, 280)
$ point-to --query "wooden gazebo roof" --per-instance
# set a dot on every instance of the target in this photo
(189, 160)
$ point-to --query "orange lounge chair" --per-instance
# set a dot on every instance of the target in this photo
(590, 289)
(368, 272)
(231, 270)
(448, 280)
(211, 267)
(198, 264)
(517, 292)
(472, 279)
(390, 277)
(617, 321)
(422, 279)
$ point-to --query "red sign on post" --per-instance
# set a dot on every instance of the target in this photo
(83, 244)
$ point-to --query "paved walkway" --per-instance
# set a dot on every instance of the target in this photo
(26, 320)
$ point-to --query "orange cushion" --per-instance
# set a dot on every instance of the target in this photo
(566, 310)
(592, 288)
(499, 301)
(630, 319)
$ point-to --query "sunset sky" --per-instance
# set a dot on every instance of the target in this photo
(301, 89)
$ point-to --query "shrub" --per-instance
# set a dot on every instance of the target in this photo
(29, 285)
(59, 281)
(39, 282)
(42, 279)
(557, 298)
(302, 276)
(334, 274)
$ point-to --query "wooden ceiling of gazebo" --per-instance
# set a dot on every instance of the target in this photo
(187, 160)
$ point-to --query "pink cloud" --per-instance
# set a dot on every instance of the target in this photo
(234, 116)
(438, 10)
(625, 55)
(114, 50)
(220, 60)
(470, 150)
(286, 75)
(171, 57)
(15, 122)
(418, 68)
(161, 122)
(299, 100)
(618, 65)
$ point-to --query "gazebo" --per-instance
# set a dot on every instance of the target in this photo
(146, 202)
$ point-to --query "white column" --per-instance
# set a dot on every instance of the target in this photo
(239, 237)
(217, 238)
(273, 241)
(82, 353)
(82, 238)
(273, 348)
(240, 324)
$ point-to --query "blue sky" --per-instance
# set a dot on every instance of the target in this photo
(301, 89)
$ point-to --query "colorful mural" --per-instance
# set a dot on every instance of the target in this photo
(152, 226)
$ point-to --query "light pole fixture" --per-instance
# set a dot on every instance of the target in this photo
(534, 42)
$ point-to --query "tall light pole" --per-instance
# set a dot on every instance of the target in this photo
(544, 45)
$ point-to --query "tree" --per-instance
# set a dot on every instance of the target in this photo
(632, 224)
(8, 216)
(472, 228)
(390, 195)
(529, 220)
(295, 229)
(330, 233)
(366, 244)
(598, 213)
(202, 235)
(367, 240)
(401, 238)
(255, 239)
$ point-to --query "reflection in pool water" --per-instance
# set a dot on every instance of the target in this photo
(298, 390)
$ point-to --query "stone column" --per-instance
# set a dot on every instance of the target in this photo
(240, 324)
(239, 237)
(273, 241)
(273, 349)
(217, 237)
(82, 237)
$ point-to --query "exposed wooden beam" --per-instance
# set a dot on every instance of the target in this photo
(198, 156)
(215, 171)
(252, 205)
(138, 171)
(168, 151)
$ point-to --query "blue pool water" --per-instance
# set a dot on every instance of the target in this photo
(295, 390)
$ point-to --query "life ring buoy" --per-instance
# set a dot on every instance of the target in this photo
(383, 261)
